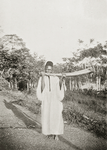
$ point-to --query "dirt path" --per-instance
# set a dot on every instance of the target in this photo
(20, 131)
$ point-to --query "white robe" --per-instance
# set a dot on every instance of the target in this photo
(51, 109)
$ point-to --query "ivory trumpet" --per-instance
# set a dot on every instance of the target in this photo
(70, 74)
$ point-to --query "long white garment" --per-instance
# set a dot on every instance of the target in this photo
(51, 109)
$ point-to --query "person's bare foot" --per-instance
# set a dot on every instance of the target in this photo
(48, 136)
(56, 137)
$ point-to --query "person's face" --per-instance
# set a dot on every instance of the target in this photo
(48, 69)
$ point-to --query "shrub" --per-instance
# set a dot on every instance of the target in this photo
(3, 84)
(85, 99)
(96, 126)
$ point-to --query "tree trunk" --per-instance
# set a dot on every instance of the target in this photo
(70, 83)
(98, 81)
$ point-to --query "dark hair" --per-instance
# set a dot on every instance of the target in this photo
(49, 63)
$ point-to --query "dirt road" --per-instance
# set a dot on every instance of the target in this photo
(18, 131)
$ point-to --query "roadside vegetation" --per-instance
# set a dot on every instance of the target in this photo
(86, 112)
(80, 110)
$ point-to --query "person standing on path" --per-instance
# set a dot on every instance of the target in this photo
(50, 91)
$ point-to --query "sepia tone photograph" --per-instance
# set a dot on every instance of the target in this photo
(53, 74)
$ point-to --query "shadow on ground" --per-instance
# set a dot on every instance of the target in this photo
(28, 122)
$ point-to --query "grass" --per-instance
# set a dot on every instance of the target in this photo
(24, 99)
(85, 111)
(85, 103)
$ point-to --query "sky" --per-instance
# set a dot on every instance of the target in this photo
(52, 27)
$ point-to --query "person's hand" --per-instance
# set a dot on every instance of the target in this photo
(63, 76)
(42, 74)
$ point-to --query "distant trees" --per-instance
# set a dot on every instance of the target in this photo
(91, 55)
(16, 59)
(17, 64)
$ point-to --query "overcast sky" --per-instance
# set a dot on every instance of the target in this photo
(52, 27)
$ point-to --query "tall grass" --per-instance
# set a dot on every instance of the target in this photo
(86, 111)
(87, 102)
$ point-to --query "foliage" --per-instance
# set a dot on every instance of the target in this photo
(91, 56)
(3, 84)
(93, 52)
(93, 125)
(89, 98)
(86, 111)
(15, 55)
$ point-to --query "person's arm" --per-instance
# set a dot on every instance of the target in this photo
(42, 82)
(60, 89)
(40, 88)
(62, 81)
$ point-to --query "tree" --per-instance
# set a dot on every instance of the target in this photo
(91, 41)
(15, 55)
(8, 45)
(12, 42)
(80, 41)
(91, 56)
